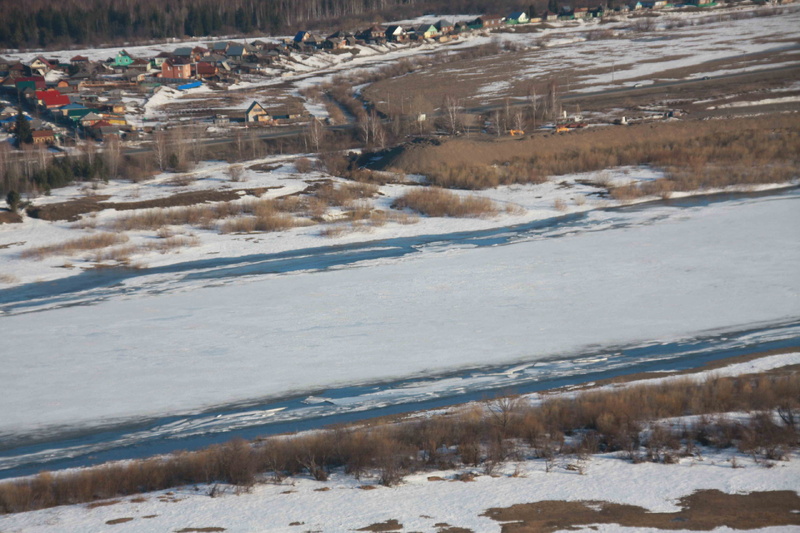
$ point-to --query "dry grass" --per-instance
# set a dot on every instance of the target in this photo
(695, 154)
(89, 242)
(505, 428)
(365, 220)
(251, 215)
(123, 254)
(436, 202)
(260, 223)
(8, 278)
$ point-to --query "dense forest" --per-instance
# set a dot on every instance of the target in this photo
(48, 24)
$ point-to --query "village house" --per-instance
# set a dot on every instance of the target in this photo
(51, 99)
(90, 119)
(39, 66)
(334, 43)
(122, 59)
(65, 110)
(79, 61)
(426, 31)
(373, 34)
(207, 69)
(159, 59)
(43, 137)
(176, 69)
(395, 34)
(487, 22)
(256, 114)
(518, 17)
(445, 27)
(219, 47)
(596, 12)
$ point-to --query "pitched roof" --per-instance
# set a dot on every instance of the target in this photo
(254, 105)
(183, 51)
(52, 98)
(92, 116)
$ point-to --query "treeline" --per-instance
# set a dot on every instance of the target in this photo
(41, 23)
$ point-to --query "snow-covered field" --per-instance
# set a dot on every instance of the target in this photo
(659, 273)
(425, 501)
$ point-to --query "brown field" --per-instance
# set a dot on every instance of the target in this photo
(694, 154)
(702, 511)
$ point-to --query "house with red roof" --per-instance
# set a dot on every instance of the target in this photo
(51, 98)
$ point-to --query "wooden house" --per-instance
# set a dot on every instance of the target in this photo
(444, 27)
(256, 114)
(176, 69)
(487, 22)
(426, 31)
(43, 137)
(518, 17)
(395, 33)
(372, 34)
(39, 66)
(122, 59)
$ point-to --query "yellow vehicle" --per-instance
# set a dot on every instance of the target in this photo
(562, 129)
(516, 132)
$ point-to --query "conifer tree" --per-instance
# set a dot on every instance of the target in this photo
(22, 131)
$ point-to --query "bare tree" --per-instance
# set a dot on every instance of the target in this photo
(239, 142)
(534, 103)
(197, 134)
(452, 114)
(179, 146)
(112, 155)
(160, 149)
(518, 121)
(552, 99)
(372, 131)
(315, 133)
(497, 122)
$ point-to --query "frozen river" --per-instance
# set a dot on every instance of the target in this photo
(125, 364)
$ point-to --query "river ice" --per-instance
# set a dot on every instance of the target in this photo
(674, 273)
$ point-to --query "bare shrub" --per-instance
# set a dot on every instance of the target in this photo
(302, 164)
(435, 202)
(235, 172)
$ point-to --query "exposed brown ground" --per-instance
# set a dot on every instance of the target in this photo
(73, 209)
(701, 511)
(119, 520)
(389, 525)
(9, 217)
